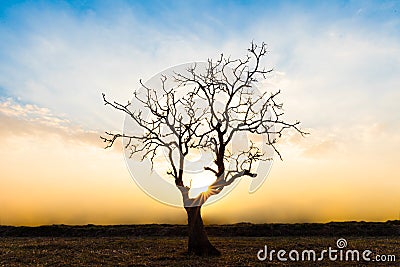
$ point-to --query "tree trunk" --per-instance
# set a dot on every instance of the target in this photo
(198, 239)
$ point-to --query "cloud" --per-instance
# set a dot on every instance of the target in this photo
(64, 61)
(31, 120)
(368, 140)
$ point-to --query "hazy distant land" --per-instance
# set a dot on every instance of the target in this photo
(334, 229)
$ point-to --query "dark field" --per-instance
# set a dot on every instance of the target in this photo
(165, 251)
(164, 245)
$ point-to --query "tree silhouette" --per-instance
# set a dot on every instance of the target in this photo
(222, 102)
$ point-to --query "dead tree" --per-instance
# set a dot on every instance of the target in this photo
(174, 125)
(224, 101)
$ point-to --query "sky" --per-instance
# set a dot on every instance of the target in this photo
(337, 64)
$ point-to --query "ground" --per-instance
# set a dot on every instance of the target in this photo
(170, 251)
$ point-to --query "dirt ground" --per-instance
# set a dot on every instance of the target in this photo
(170, 251)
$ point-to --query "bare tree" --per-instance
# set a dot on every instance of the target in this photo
(223, 102)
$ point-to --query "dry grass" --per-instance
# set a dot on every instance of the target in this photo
(170, 251)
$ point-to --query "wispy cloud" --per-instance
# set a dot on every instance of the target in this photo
(18, 120)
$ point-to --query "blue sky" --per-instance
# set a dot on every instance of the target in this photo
(231, 16)
(336, 62)
(47, 40)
